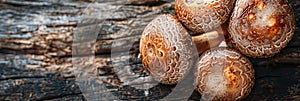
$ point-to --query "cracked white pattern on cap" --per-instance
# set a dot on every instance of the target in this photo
(167, 50)
(203, 15)
(224, 74)
(261, 28)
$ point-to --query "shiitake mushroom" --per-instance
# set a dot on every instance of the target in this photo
(203, 15)
(224, 74)
(168, 51)
(261, 28)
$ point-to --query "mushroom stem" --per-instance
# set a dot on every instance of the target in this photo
(209, 40)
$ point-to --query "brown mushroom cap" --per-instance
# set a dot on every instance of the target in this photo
(224, 74)
(167, 50)
(203, 15)
(261, 28)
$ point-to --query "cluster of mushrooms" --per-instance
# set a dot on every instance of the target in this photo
(250, 28)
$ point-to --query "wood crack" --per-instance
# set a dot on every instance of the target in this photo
(59, 96)
(20, 77)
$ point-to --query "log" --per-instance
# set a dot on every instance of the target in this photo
(19, 84)
(39, 40)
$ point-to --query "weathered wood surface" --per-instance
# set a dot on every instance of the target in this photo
(36, 50)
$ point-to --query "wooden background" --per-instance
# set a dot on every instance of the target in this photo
(36, 40)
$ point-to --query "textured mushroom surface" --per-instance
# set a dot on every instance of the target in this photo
(167, 50)
(224, 74)
(203, 15)
(261, 28)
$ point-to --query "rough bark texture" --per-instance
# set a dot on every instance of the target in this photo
(36, 50)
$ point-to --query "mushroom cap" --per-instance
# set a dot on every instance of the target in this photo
(203, 15)
(167, 50)
(261, 28)
(224, 74)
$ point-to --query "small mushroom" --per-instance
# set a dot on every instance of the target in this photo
(224, 74)
(261, 28)
(203, 15)
(168, 51)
